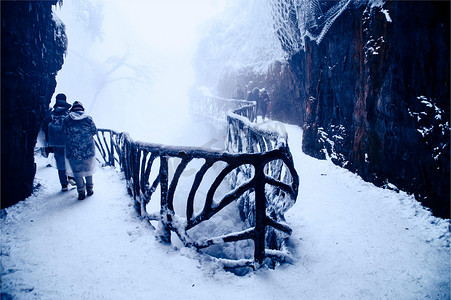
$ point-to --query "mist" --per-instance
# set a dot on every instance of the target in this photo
(130, 63)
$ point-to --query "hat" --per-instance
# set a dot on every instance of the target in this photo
(61, 97)
(61, 103)
(77, 106)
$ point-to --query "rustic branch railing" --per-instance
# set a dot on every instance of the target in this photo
(215, 109)
(258, 167)
(107, 142)
(244, 136)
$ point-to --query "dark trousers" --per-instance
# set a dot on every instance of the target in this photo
(63, 177)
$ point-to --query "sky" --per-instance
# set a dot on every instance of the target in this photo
(129, 63)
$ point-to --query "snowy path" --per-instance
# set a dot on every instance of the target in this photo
(350, 240)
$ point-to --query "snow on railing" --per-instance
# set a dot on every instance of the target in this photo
(244, 136)
(215, 108)
(258, 168)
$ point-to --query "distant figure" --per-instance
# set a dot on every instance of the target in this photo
(239, 94)
(80, 148)
(254, 96)
(56, 138)
(265, 103)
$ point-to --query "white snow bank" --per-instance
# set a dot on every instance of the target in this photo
(350, 240)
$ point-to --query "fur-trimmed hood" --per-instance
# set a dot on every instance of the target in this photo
(77, 115)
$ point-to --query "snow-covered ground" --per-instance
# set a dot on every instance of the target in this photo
(351, 240)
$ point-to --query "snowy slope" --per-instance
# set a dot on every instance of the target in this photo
(351, 240)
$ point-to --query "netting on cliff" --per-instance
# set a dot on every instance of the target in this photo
(296, 19)
(241, 38)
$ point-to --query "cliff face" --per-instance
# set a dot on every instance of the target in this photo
(373, 95)
(376, 92)
(33, 45)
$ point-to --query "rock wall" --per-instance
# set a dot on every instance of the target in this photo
(373, 95)
(33, 46)
(376, 93)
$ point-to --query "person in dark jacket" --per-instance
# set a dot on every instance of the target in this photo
(80, 148)
(56, 138)
(265, 103)
(254, 96)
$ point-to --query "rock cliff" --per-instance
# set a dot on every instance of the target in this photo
(372, 95)
(376, 92)
(33, 46)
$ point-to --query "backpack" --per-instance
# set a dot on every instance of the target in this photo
(56, 134)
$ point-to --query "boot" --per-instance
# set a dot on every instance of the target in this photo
(81, 195)
(89, 190)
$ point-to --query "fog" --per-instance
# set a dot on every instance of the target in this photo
(129, 63)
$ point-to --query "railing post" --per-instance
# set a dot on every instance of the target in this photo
(136, 166)
(128, 156)
(260, 214)
(165, 232)
(249, 144)
(111, 149)
(136, 180)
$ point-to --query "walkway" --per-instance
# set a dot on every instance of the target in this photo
(350, 240)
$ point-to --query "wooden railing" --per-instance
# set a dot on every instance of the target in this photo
(244, 136)
(215, 109)
(257, 166)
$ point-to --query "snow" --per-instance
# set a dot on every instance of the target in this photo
(434, 127)
(387, 15)
(350, 240)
